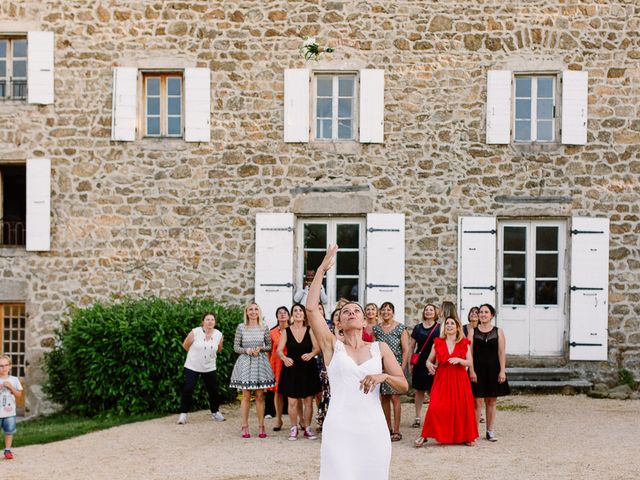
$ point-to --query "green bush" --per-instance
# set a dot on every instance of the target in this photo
(127, 357)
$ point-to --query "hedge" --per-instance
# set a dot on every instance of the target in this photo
(127, 357)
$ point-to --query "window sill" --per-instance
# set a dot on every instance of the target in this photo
(337, 146)
(12, 251)
(534, 147)
(163, 143)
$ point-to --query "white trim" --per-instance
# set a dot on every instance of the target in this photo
(371, 116)
(296, 105)
(40, 67)
(197, 105)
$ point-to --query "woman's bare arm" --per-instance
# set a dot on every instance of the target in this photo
(188, 341)
(502, 356)
(318, 324)
(393, 374)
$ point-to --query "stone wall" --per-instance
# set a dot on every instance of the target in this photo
(169, 218)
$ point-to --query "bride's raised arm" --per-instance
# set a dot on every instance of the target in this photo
(318, 324)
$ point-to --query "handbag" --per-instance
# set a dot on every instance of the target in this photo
(416, 356)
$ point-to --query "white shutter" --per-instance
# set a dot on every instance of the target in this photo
(476, 263)
(197, 105)
(371, 106)
(574, 107)
(589, 288)
(274, 263)
(499, 106)
(296, 105)
(123, 115)
(40, 67)
(38, 204)
(385, 261)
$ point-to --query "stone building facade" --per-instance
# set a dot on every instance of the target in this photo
(458, 150)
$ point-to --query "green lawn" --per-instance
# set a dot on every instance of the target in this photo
(61, 426)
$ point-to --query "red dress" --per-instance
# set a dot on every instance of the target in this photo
(451, 417)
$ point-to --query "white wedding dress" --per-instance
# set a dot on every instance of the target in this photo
(355, 438)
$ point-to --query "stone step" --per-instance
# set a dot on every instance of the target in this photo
(566, 387)
(540, 374)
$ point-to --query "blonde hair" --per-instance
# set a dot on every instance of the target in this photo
(449, 311)
(7, 358)
(246, 317)
(459, 332)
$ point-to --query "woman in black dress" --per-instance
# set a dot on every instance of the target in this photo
(488, 373)
(299, 379)
(425, 332)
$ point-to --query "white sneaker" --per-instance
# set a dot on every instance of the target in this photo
(182, 419)
(267, 416)
(217, 416)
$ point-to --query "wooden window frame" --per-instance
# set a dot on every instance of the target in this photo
(335, 76)
(534, 107)
(8, 79)
(164, 103)
(332, 277)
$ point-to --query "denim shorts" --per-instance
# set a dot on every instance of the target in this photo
(8, 425)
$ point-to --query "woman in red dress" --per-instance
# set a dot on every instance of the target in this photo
(451, 415)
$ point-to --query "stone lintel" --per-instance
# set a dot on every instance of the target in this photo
(331, 188)
(13, 291)
(512, 199)
(332, 204)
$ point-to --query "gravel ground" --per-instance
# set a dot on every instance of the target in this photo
(541, 437)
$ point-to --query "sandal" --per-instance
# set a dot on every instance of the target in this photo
(396, 437)
(278, 428)
(416, 423)
(245, 432)
(419, 442)
(261, 432)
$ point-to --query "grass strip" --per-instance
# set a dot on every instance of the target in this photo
(60, 426)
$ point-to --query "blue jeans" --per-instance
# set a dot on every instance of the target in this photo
(8, 424)
(210, 382)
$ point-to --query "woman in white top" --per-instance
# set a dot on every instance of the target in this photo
(355, 437)
(202, 345)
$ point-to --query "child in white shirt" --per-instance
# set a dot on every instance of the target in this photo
(10, 390)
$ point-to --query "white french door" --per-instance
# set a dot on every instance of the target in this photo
(531, 286)
(346, 279)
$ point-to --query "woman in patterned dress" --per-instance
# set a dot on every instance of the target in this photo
(252, 371)
(395, 335)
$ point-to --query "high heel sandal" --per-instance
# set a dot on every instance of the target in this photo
(278, 428)
(261, 432)
(245, 432)
(419, 442)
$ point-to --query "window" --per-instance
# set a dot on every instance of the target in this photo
(163, 104)
(13, 327)
(534, 109)
(346, 280)
(13, 205)
(13, 68)
(335, 107)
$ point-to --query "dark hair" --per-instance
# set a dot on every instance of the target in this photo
(477, 309)
(282, 308)
(304, 312)
(388, 304)
(490, 307)
(207, 314)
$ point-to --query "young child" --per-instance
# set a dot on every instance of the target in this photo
(10, 390)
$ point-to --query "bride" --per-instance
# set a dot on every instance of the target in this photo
(355, 437)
